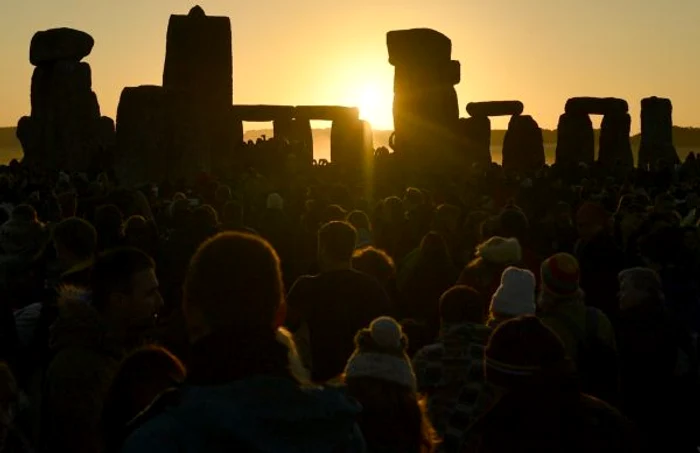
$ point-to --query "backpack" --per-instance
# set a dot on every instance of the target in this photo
(596, 363)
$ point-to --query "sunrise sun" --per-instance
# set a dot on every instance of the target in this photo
(375, 104)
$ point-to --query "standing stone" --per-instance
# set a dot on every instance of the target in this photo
(351, 145)
(615, 149)
(199, 63)
(142, 135)
(426, 109)
(575, 140)
(657, 133)
(476, 139)
(65, 119)
(523, 147)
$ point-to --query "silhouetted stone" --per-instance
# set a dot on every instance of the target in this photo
(575, 140)
(65, 118)
(615, 147)
(495, 108)
(60, 44)
(523, 147)
(199, 64)
(57, 82)
(142, 135)
(107, 132)
(422, 45)
(199, 58)
(596, 106)
(351, 145)
(157, 137)
(475, 143)
(426, 110)
(425, 121)
(438, 75)
(29, 134)
(657, 133)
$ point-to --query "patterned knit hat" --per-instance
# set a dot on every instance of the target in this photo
(381, 354)
(560, 275)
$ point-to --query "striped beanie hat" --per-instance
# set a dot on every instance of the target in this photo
(560, 275)
(521, 349)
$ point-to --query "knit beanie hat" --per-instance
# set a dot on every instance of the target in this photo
(380, 353)
(516, 294)
(500, 250)
(560, 275)
(521, 349)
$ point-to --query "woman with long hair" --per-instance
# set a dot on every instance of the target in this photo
(380, 376)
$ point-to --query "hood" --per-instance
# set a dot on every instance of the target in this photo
(270, 414)
(78, 324)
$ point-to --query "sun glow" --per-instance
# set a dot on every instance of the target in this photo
(375, 104)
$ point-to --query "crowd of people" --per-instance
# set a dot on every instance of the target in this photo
(306, 311)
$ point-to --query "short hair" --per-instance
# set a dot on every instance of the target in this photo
(462, 304)
(234, 280)
(77, 236)
(113, 272)
(359, 220)
(337, 240)
(375, 263)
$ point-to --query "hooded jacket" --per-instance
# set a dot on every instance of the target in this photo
(256, 414)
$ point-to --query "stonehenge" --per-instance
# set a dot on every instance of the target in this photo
(523, 149)
(425, 108)
(575, 142)
(657, 133)
(190, 124)
(65, 128)
(351, 139)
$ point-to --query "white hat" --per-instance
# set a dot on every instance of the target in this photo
(500, 250)
(516, 294)
(381, 354)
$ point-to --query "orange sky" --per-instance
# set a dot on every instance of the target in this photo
(329, 52)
